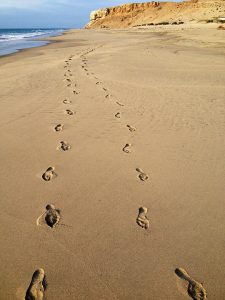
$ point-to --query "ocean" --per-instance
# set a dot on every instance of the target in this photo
(13, 40)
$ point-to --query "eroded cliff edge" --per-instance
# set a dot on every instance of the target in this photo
(153, 13)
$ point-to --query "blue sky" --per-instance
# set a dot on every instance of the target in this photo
(50, 13)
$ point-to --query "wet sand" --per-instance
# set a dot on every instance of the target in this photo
(123, 132)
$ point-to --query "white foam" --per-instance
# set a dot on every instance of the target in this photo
(27, 35)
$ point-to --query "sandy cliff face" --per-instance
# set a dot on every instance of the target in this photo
(136, 14)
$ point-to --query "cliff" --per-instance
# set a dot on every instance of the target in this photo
(154, 13)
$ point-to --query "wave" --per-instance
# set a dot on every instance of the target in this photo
(12, 36)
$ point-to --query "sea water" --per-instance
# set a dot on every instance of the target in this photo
(13, 40)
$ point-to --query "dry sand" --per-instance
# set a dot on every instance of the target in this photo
(169, 86)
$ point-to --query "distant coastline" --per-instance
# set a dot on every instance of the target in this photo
(14, 40)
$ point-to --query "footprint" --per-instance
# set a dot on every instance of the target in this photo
(142, 220)
(142, 176)
(68, 80)
(118, 115)
(131, 128)
(195, 289)
(66, 101)
(120, 104)
(69, 84)
(52, 215)
(64, 146)
(59, 127)
(75, 92)
(98, 82)
(49, 174)
(104, 89)
(126, 148)
(69, 112)
(37, 286)
(108, 96)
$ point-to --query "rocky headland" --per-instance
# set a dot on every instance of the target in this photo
(157, 13)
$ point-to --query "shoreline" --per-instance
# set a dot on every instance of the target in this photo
(150, 29)
(45, 39)
(128, 125)
(51, 41)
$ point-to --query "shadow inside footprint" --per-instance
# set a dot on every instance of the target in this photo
(195, 289)
(66, 101)
(131, 128)
(118, 115)
(58, 127)
(52, 215)
(69, 112)
(142, 176)
(142, 220)
(120, 104)
(65, 146)
(37, 286)
(49, 174)
(126, 148)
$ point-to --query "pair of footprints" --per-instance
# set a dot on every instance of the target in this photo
(141, 174)
(59, 127)
(195, 289)
(50, 173)
(38, 285)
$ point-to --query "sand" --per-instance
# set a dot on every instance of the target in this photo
(168, 88)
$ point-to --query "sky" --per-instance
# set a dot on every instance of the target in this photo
(50, 13)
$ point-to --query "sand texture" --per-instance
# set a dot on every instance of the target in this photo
(112, 166)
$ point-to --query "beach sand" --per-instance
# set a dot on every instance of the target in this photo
(160, 92)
